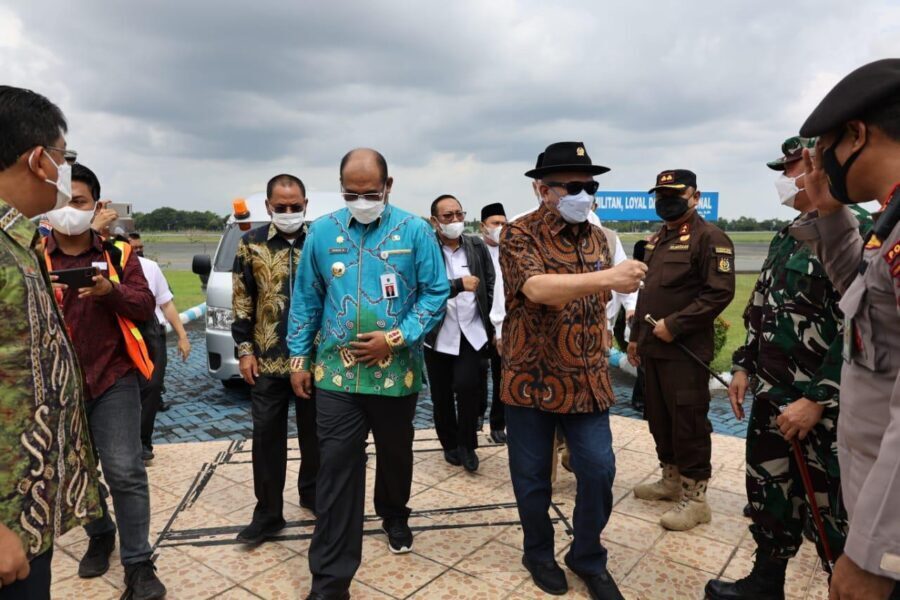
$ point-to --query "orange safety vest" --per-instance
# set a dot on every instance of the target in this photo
(135, 344)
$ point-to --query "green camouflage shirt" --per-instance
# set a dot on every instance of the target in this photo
(794, 325)
(48, 477)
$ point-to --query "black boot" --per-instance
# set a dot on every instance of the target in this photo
(765, 582)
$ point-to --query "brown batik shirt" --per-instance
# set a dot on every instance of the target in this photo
(553, 356)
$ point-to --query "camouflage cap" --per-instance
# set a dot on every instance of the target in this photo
(792, 150)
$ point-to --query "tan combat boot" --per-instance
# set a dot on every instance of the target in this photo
(667, 488)
(691, 511)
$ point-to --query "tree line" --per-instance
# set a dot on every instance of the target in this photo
(172, 219)
(739, 224)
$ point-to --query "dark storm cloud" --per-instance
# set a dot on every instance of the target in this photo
(228, 84)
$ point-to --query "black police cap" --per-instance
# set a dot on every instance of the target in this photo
(863, 89)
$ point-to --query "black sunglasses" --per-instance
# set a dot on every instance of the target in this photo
(574, 187)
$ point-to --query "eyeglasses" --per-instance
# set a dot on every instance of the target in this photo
(453, 216)
(574, 187)
(290, 208)
(371, 197)
(70, 156)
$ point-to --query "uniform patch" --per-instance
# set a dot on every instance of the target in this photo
(893, 254)
(874, 243)
(684, 238)
(726, 251)
(649, 246)
(680, 247)
(724, 265)
(338, 250)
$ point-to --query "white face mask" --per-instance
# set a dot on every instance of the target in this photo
(70, 221)
(452, 230)
(494, 233)
(288, 222)
(787, 189)
(575, 209)
(63, 183)
(365, 211)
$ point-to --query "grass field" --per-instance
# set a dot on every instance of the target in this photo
(200, 237)
(733, 315)
(186, 287)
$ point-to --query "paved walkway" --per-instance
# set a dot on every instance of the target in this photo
(202, 410)
(468, 540)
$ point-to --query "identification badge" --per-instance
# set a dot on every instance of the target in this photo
(389, 286)
(102, 266)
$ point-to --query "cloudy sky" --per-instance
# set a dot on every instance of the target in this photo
(190, 104)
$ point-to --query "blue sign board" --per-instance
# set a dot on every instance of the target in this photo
(639, 206)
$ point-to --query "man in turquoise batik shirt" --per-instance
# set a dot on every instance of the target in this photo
(370, 285)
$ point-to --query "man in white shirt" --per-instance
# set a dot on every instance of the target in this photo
(454, 349)
(618, 301)
(493, 218)
(155, 332)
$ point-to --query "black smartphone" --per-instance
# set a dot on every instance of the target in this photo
(81, 277)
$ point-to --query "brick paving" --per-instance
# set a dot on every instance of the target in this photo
(203, 410)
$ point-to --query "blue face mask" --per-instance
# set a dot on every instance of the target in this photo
(575, 209)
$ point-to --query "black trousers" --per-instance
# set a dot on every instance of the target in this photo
(676, 404)
(34, 587)
(456, 384)
(151, 390)
(271, 397)
(498, 417)
(344, 421)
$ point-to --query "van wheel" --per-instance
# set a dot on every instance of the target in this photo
(234, 384)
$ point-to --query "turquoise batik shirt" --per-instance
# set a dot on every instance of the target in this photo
(347, 271)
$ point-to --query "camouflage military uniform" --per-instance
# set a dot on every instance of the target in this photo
(793, 350)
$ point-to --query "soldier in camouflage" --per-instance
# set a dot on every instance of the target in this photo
(791, 359)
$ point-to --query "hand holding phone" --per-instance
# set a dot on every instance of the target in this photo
(77, 278)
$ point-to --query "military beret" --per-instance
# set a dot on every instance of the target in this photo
(863, 89)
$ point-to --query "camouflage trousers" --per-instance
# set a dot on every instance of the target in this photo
(778, 503)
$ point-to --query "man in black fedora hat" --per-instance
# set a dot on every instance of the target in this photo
(558, 275)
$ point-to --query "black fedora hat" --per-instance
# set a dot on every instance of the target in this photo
(565, 156)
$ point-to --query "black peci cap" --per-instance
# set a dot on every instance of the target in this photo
(492, 210)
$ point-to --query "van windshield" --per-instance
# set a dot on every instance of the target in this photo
(228, 247)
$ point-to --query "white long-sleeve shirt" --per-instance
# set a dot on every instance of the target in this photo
(498, 308)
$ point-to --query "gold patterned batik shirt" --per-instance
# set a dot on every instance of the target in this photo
(264, 270)
(48, 481)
